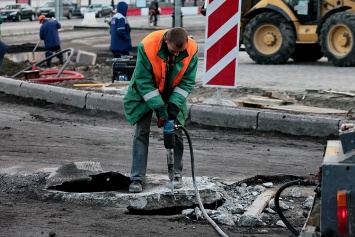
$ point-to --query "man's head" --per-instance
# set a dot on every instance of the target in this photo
(41, 18)
(122, 8)
(176, 40)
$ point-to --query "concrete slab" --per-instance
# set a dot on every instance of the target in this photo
(86, 58)
(155, 196)
(89, 19)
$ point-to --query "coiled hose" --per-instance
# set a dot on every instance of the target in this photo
(277, 203)
(220, 232)
(278, 209)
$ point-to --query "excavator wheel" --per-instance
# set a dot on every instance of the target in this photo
(269, 39)
(337, 39)
(307, 53)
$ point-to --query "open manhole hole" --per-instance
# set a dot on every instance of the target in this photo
(88, 177)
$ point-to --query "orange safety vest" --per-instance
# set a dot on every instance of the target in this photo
(152, 44)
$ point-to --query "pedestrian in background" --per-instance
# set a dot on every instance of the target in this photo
(154, 11)
(3, 49)
(120, 30)
(164, 76)
(113, 4)
(49, 34)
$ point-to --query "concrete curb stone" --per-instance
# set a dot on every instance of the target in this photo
(224, 116)
(105, 102)
(10, 86)
(296, 124)
(29, 30)
(211, 115)
(48, 93)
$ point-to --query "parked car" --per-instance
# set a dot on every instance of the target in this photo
(99, 9)
(48, 10)
(17, 12)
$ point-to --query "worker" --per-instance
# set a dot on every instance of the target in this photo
(3, 50)
(49, 34)
(120, 30)
(164, 76)
(154, 12)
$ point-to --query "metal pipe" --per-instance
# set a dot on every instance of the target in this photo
(42, 61)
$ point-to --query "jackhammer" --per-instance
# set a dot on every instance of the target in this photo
(169, 143)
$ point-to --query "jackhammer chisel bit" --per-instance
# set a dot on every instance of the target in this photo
(171, 171)
(169, 143)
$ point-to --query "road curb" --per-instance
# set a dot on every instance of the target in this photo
(29, 30)
(211, 115)
(229, 117)
(298, 124)
(105, 102)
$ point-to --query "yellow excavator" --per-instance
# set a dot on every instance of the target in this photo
(273, 31)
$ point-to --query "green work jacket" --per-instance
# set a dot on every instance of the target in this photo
(143, 94)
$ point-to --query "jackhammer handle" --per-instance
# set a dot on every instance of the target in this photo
(160, 122)
(169, 134)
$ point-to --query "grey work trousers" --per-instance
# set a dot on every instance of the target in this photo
(140, 149)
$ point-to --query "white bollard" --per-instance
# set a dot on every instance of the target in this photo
(89, 19)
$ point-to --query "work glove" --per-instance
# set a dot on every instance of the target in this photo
(173, 111)
(162, 116)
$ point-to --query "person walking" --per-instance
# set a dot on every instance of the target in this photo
(120, 30)
(165, 75)
(3, 49)
(49, 34)
(154, 11)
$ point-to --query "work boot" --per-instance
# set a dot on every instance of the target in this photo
(136, 187)
(61, 61)
(177, 182)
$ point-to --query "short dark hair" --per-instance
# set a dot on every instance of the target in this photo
(177, 36)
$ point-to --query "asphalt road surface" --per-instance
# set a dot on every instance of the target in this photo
(39, 137)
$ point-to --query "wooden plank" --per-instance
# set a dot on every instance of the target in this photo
(257, 102)
(264, 100)
(260, 203)
(308, 109)
(277, 95)
(249, 104)
(341, 93)
(118, 84)
(89, 85)
(292, 107)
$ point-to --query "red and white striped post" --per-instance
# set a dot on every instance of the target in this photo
(221, 43)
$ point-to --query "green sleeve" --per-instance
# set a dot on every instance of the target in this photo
(144, 79)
